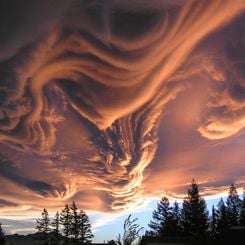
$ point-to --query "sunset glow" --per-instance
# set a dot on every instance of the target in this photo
(115, 103)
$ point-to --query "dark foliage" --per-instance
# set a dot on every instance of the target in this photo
(2, 235)
(233, 204)
(56, 227)
(85, 233)
(65, 221)
(165, 220)
(242, 212)
(213, 224)
(222, 219)
(43, 224)
(194, 213)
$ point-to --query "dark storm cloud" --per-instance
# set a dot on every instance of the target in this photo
(9, 172)
(85, 86)
(4, 203)
(24, 21)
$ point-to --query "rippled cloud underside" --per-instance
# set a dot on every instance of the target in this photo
(111, 102)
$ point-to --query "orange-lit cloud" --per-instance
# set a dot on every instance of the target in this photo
(114, 102)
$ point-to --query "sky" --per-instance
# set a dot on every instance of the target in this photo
(114, 104)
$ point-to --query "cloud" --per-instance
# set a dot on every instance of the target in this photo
(111, 102)
(6, 203)
(8, 172)
(226, 116)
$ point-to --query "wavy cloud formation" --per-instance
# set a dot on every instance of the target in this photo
(226, 115)
(85, 94)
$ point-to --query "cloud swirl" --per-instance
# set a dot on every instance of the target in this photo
(82, 100)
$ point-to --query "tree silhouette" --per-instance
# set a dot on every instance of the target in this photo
(213, 223)
(233, 204)
(2, 235)
(65, 221)
(194, 213)
(242, 212)
(85, 233)
(111, 242)
(222, 220)
(175, 221)
(160, 218)
(56, 227)
(43, 224)
(75, 221)
(131, 231)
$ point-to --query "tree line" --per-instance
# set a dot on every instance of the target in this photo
(71, 224)
(191, 219)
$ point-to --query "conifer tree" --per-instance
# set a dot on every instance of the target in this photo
(233, 204)
(175, 220)
(194, 213)
(2, 235)
(75, 221)
(242, 211)
(213, 223)
(222, 220)
(43, 224)
(85, 233)
(65, 221)
(161, 218)
(56, 227)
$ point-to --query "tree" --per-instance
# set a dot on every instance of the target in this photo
(43, 224)
(175, 218)
(75, 221)
(65, 221)
(194, 213)
(222, 220)
(2, 235)
(233, 204)
(161, 217)
(85, 233)
(111, 242)
(213, 224)
(242, 211)
(131, 231)
(56, 227)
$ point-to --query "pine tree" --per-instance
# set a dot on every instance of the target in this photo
(43, 224)
(56, 227)
(85, 233)
(194, 213)
(2, 235)
(65, 221)
(213, 224)
(233, 204)
(242, 211)
(175, 220)
(222, 220)
(75, 221)
(161, 218)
